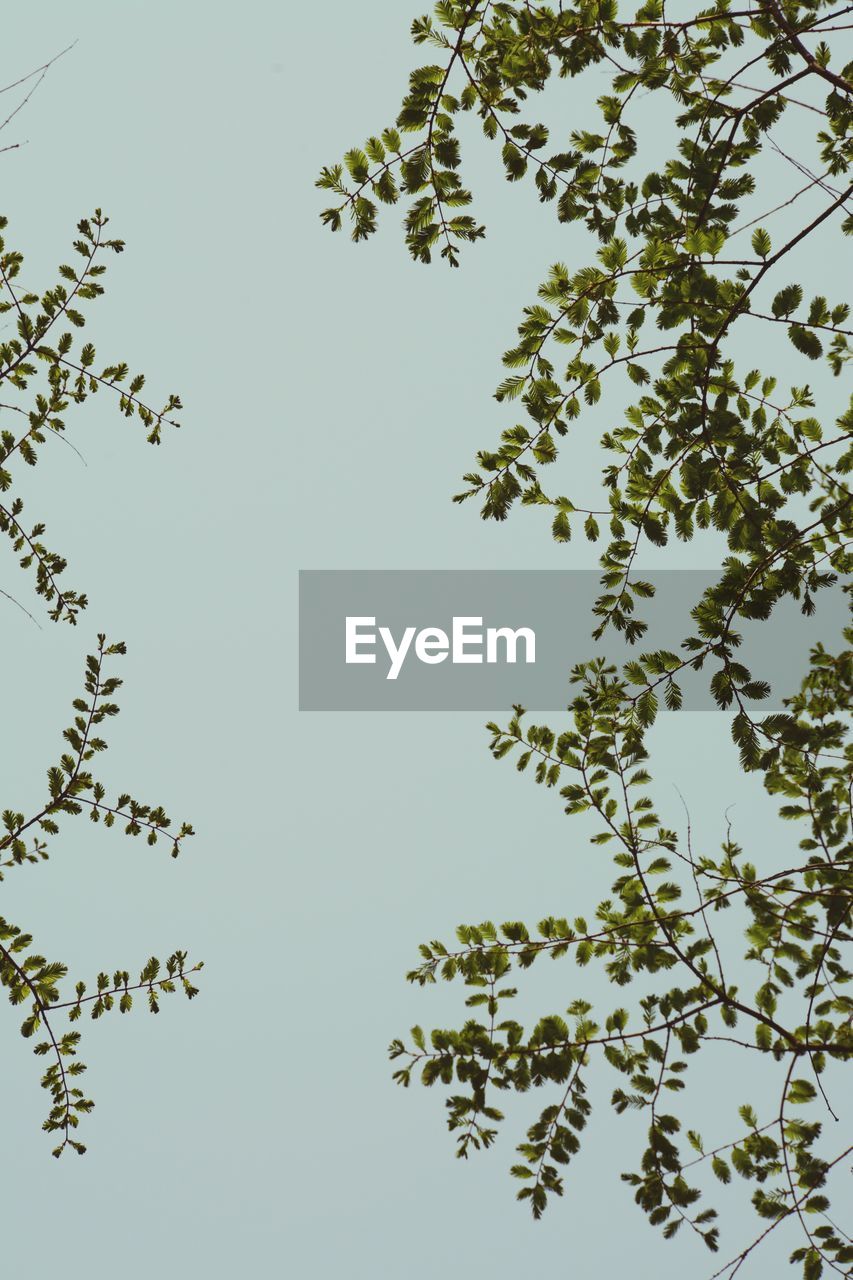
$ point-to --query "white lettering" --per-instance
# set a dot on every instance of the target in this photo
(353, 640)
(397, 655)
(461, 638)
(431, 645)
(511, 637)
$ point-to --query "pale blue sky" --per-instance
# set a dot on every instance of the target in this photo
(333, 397)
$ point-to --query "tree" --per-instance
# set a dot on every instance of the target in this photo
(705, 447)
(43, 372)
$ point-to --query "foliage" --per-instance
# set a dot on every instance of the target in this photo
(44, 370)
(50, 378)
(700, 441)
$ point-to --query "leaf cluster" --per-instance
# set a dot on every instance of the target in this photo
(44, 370)
(685, 264)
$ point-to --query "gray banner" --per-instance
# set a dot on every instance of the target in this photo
(479, 640)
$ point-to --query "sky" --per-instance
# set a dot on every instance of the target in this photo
(333, 396)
